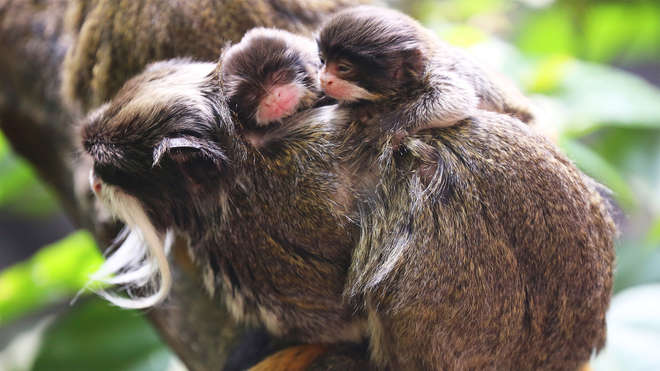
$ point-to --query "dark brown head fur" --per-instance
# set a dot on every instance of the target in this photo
(266, 225)
(159, 134)
(265, 58)
(388, 49)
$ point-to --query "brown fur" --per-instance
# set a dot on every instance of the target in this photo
(417, 79)
(482, 247)
(114, 40)
(479, 238)
(264, 224)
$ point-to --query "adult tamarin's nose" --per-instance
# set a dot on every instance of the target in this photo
(95, 182)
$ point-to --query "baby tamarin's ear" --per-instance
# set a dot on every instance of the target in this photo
(409, 64)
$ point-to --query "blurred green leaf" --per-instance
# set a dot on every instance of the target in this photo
(20, 189)
(464, 36)
(631, 30)
(97, 336)
(653, 238)
(637, 264)
(633, 332)
(456, 10)
(594, 165)
(597, 96)
(548, 32)
(607, 30)
(635, 153)
(4, 146)
(56, 272)
(550, 74)
(595, 31)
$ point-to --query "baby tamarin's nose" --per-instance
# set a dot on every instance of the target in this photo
(326, 79)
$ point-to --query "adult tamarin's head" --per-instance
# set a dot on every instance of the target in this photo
(159, 148)
(162, 128)
(370, 53)
(270, 75)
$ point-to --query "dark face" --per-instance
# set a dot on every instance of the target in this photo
(269, 75)
(159, 140)
(375, 49)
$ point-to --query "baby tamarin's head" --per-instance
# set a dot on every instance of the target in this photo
(370, 53)
(269, 75)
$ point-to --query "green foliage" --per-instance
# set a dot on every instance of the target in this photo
(55, 273)
(633, 329)
(593, 164)
(637, 264)
(550, 32)
(20, 190)
(594, 31)
(97, 336)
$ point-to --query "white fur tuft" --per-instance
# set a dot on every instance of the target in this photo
(140, 263)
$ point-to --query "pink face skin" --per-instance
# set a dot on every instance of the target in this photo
(281, 101)
(339, 88)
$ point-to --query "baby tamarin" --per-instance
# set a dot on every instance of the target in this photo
(387, 59)
(481, 247)
(270, 75)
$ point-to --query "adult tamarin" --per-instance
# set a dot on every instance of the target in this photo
(268, 225)
(388, 60)
(482, 247)
(479, 238)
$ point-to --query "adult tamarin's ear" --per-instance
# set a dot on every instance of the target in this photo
(185, 148)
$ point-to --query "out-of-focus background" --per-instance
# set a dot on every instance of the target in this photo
(593, 67)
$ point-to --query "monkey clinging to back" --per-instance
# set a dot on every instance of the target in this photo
(270, 75)
(409, 77)
(482, 247)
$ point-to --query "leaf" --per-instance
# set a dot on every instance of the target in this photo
(637, 263)
(428, 11)
(653, 236)
(55, 272)
(550, 74)
(594, 165)
(633, 331)
(635, 153)
(597, 96)
(20, 189)
(4, 146)
(610, 33)
(550, 32)
(97, 336)
(464, 36)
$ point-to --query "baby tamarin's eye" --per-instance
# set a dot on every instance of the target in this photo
(344, 67)
(321, 59)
